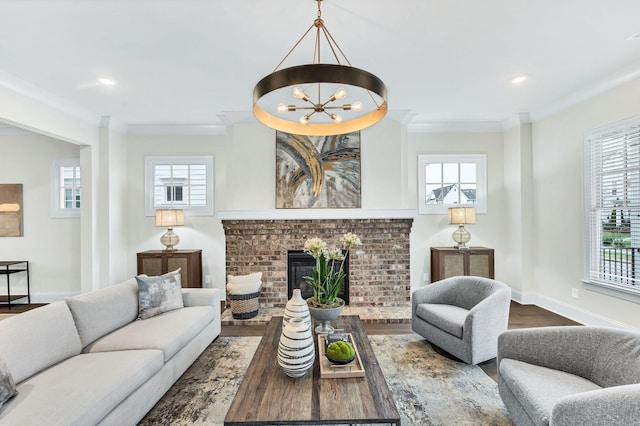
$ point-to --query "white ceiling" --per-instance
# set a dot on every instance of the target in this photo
(197, 61)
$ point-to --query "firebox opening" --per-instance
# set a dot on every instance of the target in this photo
(299, 265)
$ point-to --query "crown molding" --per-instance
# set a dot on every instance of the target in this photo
(31, 91)
(176, 129)
(456, 127)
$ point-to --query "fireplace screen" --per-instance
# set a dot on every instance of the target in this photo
(299, 265)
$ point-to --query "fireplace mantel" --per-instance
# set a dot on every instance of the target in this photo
(328, 214)
(379, 269)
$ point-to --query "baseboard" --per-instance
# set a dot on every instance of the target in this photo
(568, 311)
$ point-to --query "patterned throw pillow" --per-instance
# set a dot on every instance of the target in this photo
(159, 294)
(7, 386)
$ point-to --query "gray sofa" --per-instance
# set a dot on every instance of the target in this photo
(570, 376)
(462, 315)
(87, 360)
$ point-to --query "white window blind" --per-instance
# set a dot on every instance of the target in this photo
(65, 188)
(179, 182)
(612, 155)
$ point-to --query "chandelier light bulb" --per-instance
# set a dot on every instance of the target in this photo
(299, 93)
(356, 106)
(304, 119)
(282, 108)
(340, 93)
(335, 117)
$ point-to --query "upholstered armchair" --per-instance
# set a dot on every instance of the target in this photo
(462, 315)
(571, 375)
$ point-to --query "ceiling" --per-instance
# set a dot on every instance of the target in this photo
(195, 62)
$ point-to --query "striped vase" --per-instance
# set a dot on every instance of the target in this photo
(296, 308)
(296, 351)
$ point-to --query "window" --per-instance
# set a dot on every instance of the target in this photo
(451, 180)
(65, 188)
(612, 208)
(179, 182)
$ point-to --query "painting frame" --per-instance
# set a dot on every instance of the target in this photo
(11, 216)
(318, 172)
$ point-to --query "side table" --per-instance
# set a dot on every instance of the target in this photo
(13, 267)
(158, 262)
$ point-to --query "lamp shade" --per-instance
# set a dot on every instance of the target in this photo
(169, 218)
(462, 215)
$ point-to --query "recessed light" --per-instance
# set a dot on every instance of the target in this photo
(107, 81)
(519, 80)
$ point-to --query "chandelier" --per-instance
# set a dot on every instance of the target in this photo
(319, 93)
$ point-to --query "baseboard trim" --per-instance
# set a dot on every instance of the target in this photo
(568, 311)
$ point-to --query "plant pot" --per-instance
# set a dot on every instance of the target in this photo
(325, 316)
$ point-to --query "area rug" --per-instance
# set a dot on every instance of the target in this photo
(428, 388)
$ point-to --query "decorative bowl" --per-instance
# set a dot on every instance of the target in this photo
(344, 346)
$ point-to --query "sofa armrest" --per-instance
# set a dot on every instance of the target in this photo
(492, 314)
(202, 297)
(616, 405)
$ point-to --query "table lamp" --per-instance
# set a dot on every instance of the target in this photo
(169, 218)
(461, 216)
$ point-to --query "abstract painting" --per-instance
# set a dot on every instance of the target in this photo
(10, 210)
(317, 171)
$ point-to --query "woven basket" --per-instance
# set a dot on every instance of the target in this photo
(244, 306)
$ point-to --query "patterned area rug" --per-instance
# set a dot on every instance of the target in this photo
(428, 389)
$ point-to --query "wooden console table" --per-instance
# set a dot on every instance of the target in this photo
(8, 268)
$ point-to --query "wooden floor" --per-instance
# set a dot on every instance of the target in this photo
(520, 316)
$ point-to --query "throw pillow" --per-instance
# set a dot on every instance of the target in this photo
(159, 294)
(7, 386)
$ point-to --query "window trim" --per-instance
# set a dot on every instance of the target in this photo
(601, 286)
(481, 181)
(149, 167)
(56, 210)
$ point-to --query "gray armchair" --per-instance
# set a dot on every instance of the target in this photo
(570, 375)
(462, 315)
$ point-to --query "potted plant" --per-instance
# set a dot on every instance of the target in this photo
(325, 305)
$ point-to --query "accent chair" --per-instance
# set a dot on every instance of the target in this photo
(462, 315)
(570, 375)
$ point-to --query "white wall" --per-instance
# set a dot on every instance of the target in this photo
(558, 207)
(199, 232)
(433, 229)
(52, 246)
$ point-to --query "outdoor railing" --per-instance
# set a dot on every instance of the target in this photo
(619, 264)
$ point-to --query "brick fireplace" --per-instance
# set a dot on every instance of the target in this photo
(379, 269)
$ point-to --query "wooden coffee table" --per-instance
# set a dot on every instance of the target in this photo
(267, 396)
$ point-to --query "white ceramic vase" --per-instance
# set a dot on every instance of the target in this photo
(296, 351)
(296, 308)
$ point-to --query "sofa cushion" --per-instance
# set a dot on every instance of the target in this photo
(539, 388)
(101, 311)
(7, 386)
(168, 332)
(81, 390)
(38, 339)
(447, 318)
(159, 294)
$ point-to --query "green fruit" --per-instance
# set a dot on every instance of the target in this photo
(340, 351)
